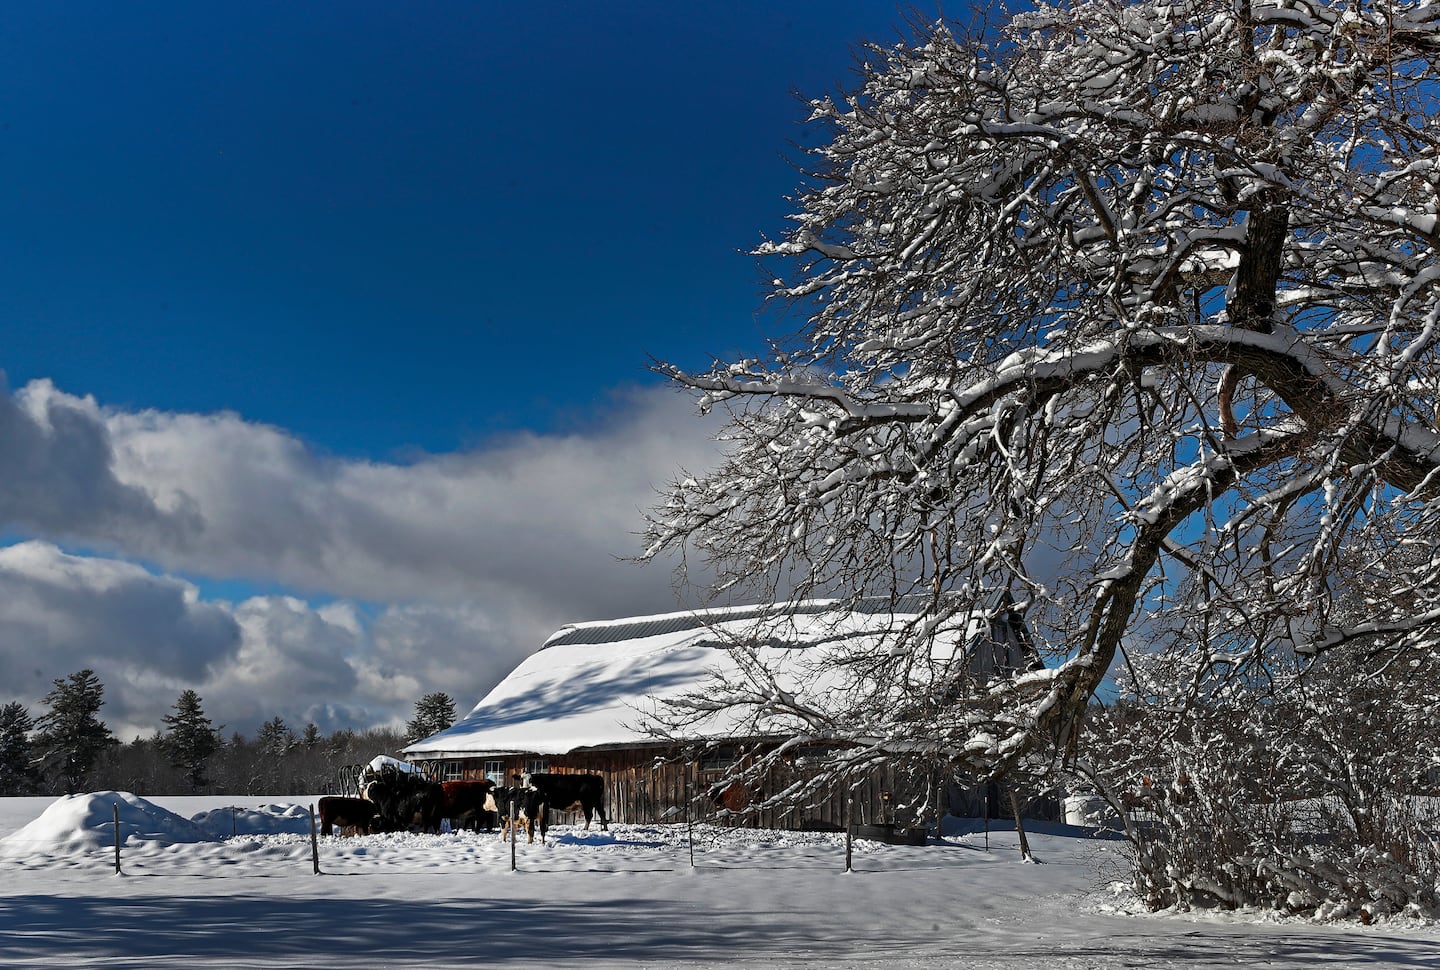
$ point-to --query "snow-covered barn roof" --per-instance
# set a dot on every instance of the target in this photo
(593, 685)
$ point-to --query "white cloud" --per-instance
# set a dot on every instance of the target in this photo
(530, 518)
(148, 637)
(446, 570)
(142, 633)
(59, 476)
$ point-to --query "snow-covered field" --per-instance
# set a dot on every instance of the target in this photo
(194, 895)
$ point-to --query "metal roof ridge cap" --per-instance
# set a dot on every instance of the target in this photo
(609, 631)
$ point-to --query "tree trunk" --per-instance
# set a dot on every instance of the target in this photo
(1020, 827)
(1253, 305)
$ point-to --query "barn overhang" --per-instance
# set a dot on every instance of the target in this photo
(612, 748)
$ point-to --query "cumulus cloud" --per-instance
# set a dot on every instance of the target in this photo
(346, 665)
(149, 636)
(436, 574)
(520, 519)
(60, 613)
(60, 477)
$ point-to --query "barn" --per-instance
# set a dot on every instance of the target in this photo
(581, 703)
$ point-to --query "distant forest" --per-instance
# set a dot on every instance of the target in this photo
(70, 749)
(308, 763)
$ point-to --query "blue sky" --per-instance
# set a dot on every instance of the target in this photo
(325, 328)
(392, 226)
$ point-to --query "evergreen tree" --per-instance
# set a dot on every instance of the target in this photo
(275, 737)
(71, 735)
(17, 759)
(433, 713)
(190, 739)
(311, 736)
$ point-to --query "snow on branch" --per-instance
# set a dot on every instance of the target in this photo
(1131, 308)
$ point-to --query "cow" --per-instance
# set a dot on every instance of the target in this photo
(734, 797)
(419, 807)
(346, 812)
(405, 801)
(569, 793)
(465, 803)
(528, 805)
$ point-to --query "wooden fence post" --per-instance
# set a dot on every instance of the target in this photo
(514, 834)
(850, 837)
(314, 843)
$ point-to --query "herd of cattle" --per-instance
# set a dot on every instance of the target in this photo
(394, 800)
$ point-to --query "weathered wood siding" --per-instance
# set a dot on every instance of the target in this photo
(654, 785)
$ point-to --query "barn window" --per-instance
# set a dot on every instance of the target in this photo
(495, 771)
(812, 755)
(452, 771)
(714, 761)
(537, 766)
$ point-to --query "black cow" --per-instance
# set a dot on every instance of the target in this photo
(569, 793)
(465, 803)
(345, 812)
(405, 801)
(528, 805)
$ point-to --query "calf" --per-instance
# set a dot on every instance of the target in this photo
(569, 793)
(529, 807)
(465, 803)
(345, 812)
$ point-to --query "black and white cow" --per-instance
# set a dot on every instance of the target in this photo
(570, 793)
(527, 804)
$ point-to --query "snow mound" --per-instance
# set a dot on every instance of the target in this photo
(82, 823)
(222, 823)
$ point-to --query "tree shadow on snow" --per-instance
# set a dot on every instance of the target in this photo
(370, 932)
(297, 930)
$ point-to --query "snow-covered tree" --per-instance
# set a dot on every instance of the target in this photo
(70, 736)
(433, 713)
(1129, 307)
(190, 738)
(1304, 785)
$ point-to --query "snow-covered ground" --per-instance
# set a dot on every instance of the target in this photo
(211, 887)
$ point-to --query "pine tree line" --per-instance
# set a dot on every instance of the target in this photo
(70, 749)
